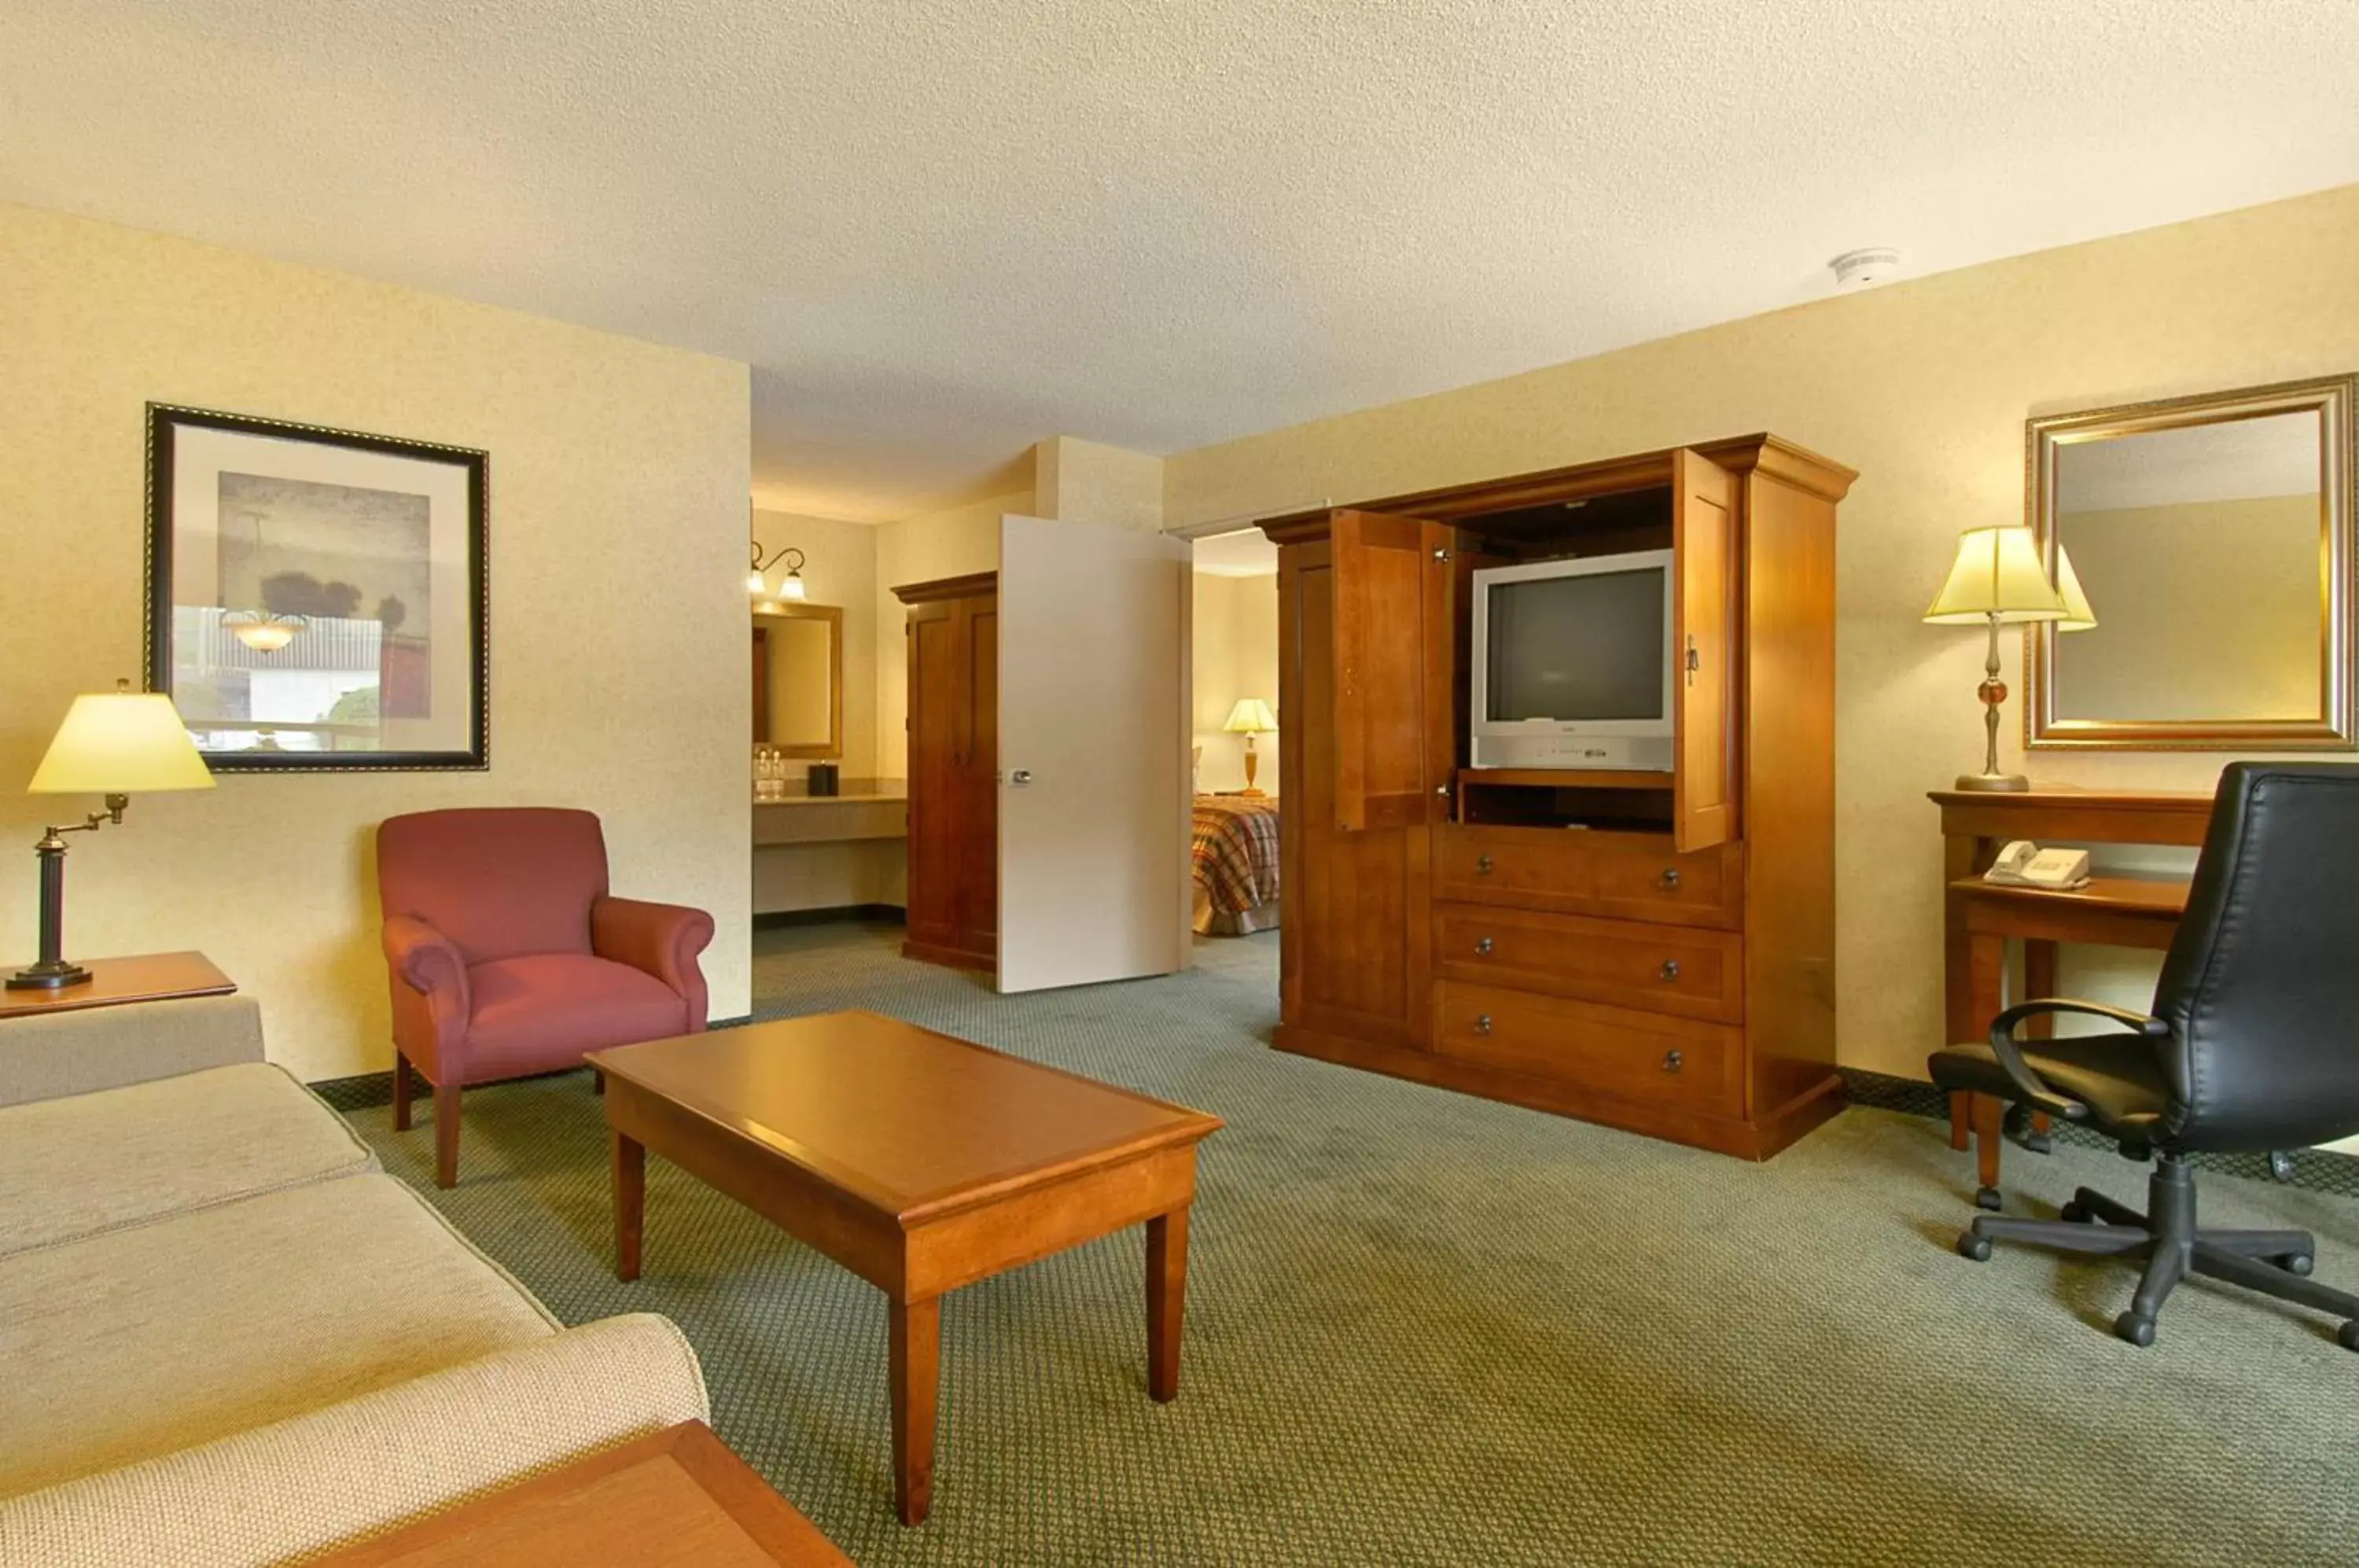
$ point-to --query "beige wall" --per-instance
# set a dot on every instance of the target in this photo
(1083, 482)
(617, 530)
(949, 543)
(1924, 388)
(2205, 610)
(1235, 651)
(839, 569)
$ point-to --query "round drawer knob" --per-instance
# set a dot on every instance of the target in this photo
(1483, 947)
(1670, 970)
(1673, 1061)
(1669, 878)
(1482, 865)
(1483, 1025)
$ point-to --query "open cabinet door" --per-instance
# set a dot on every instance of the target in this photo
(1394, 738)
(1094, 806)
(1703, 545)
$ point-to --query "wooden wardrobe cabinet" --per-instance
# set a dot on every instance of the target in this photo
(953, 658)
(1653, 950)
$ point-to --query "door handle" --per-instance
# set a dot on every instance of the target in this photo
(1020, 777)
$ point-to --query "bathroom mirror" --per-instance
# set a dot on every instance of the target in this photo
(2211, 537)
(799, 680)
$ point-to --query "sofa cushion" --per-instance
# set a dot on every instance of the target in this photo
(532, 1014)
(142, 1341)
(94, 1162)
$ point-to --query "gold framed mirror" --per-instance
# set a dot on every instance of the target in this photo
(2211, 539)
(799, 680)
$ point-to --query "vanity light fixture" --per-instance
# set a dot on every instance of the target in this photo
(790, 586)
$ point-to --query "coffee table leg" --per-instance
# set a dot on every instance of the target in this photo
(630, 1203)
(916, 1331)
(1166, 1301)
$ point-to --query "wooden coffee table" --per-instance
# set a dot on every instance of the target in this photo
(919, 1163)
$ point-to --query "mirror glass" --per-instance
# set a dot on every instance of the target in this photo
(799, 680)
(2211, 545)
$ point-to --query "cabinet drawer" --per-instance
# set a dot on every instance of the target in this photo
(1658, 969)
(1648, 1058)
(1621, 876)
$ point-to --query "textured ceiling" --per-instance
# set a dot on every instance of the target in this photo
(940, 229)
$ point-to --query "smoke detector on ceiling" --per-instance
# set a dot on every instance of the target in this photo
(1866, 268)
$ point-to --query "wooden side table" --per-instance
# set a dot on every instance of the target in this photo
(673, 1499)
(148, 977)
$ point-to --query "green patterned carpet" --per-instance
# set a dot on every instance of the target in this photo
(1424, 1329)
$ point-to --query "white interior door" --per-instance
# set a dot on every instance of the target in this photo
(1093, 754)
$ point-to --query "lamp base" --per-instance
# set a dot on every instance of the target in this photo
(2002, 782)
(48, 978)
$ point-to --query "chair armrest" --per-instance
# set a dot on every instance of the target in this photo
(48, 1056)
(428, 962)
(2034, 1089)
(295, 1488)
(661, 939)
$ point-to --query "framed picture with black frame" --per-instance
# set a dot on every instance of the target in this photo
(318, 599)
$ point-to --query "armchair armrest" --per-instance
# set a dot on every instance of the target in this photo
(48, 1057)
(661, 939)
(429, 964)
(2034, 1089)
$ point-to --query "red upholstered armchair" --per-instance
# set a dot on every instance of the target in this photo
(508, 958)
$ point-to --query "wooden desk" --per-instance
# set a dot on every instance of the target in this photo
(1978, 918)
(148, 977)
(672, 1499)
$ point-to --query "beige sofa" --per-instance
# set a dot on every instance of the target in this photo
(227, 1338)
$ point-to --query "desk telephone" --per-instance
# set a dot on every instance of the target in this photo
(2023, 864)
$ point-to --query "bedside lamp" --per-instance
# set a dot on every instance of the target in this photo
(1249, 718)
(1998, 580)
(122, 744)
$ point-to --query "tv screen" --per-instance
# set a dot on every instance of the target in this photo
(1574, 649)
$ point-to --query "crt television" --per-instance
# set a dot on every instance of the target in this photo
(1573, 664)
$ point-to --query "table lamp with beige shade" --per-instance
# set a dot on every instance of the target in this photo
(1998, 580)
(113, 745)
(1249, 718)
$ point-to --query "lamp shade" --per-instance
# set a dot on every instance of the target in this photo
(2078, 616)
(1997, 573)
(1251, 716)
(790, 586)
(121, 742)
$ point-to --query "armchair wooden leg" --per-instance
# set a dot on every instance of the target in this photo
(446, 1135)
(400, 1093)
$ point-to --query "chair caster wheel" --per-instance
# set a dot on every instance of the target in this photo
(2297, 1263)
(2072, 1213)
(1975, 1249)
(2137, 1330)
(2039, 1143)
(2347, 1335)
(1987, 1198)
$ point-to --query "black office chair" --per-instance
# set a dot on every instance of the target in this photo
(2254, 1046)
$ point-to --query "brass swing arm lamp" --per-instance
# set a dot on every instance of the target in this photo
(113, 746)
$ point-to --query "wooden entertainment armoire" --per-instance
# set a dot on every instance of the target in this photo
(1649, 950)
(953, 643)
